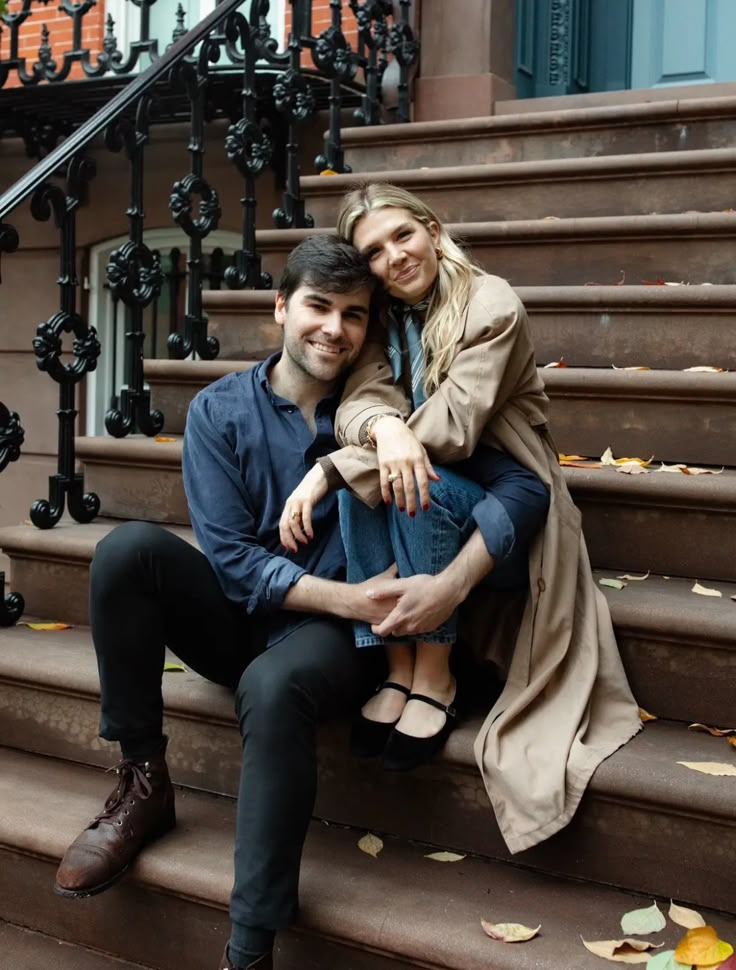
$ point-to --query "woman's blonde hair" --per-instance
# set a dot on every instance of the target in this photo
(456, 271)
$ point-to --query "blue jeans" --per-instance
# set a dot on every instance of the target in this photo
(426, 544)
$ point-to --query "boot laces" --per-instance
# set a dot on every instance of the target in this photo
(133, 780)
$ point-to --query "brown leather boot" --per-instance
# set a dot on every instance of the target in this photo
(262, 963)
(139, 810)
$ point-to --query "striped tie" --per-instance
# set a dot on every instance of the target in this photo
(410, 317)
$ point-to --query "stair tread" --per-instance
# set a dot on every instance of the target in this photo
(643, 771)
(345, 894)
(69, 539)
(24, 949)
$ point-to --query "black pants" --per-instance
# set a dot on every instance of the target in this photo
(149, 590)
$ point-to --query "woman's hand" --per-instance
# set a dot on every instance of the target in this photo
(295, 524)
(402, 458)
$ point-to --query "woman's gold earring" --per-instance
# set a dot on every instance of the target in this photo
(439, 253)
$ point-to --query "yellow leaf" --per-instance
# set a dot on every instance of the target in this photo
(715, 732)
(645, 716)
(701, 946)
(445, 856)
(710, 768)
(636, 578)
(732, 741)
(573, 458)
(608, 459)
(643, 921)
(370, 844)
(622, 951)
(705, 590)
(509, 932)
(48, 626)
(172, 667)
(685, 917)
(613, 583)
(328, 171)
(163, 437)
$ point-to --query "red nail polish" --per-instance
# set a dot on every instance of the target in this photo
(387, 501)
(412, 514)
(401, 508)
(425, 508)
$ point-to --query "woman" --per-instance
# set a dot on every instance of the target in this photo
(476, 404)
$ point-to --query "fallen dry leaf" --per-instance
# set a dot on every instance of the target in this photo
(613, 583)
(677, 469)
(328, 171)
(704, 370)
(732, 741)
(509, 932)
(666, 961)
(643, 921)
(710, 767)
(370, 844)
(637, 579)
(174, 668)
(685, 917)
(702, 947)
(705, 590)
(730, 964)
(445, 856)
(622, 951)
(572, 457)
(47, 627)
(163, 437)
(691, 470)
(640, 367)
(645, 716)
(555, 363)
(715, 732)
(630, 466)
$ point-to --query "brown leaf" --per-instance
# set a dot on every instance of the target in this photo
(630, 368)
(704, 370)
(636, 578)
(509, 932)
(715, 732)
(556, 363)
(645, 716)
(622, 951)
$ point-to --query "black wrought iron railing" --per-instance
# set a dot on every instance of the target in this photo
(227, 66)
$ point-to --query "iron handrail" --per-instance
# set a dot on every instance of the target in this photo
(125, 99)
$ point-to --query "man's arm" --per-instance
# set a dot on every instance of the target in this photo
(350, 601)
(425, 602)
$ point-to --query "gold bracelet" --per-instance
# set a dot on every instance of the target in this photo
(368, 430)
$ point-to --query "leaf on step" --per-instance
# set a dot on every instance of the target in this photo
(572, 457)
(445, 856)
(643, 921)
(705, 590)
(704, 370)
(613, 583)
(710, 767)
(632, 468)
(48, 627)
(642, 367)
(691, 470)
(162, 438)
(666, 961)
(637, 579)
(328, 171)
(555, 363)
(171, 667)
(509, 932)
(625, 464)
(715, 732)
(580, 464)
(702, 947)
(645, 716)
(675, 469)
(370, 844)
(622, 951)
(730, 964)
(732, 741)
(685, 917)
(621, 282)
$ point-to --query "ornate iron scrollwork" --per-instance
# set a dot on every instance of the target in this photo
(334, 57)
(67, 486)
(134, 277)
(11, 439)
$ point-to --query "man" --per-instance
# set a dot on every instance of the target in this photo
(244, 612)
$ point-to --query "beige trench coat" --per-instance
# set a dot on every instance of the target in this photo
(567, 704)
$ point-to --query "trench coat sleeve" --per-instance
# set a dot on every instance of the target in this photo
(495, 362)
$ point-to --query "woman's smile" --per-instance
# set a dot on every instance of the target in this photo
(401, 250)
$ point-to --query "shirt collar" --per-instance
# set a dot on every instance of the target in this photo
(262, 371)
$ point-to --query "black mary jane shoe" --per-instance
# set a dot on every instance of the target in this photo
(368, 738)
(403, 752)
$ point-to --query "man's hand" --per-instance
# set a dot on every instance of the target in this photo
(422, 604)
(295, 524)
(402, 457)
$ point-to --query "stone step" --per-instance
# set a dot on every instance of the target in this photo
(174, 383)
(690, 247)
(639, 789)
(673, 416)
(619, 185)
(356, 912)
(671, 125)
(670, 327)
(24, 949)
(629, 522)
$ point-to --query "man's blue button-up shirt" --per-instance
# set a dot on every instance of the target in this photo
(245, 451)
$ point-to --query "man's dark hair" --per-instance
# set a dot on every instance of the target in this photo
(331, 265)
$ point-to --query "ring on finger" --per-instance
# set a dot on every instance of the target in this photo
(294, 515)
(393, 477)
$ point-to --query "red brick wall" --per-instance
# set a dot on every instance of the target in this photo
(60, 35)
(322, 18)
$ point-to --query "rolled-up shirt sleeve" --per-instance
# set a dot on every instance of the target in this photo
(224, 518)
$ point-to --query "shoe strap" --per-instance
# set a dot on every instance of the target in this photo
(447, 708)
(399, 687)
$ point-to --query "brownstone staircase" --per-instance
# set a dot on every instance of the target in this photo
(648, 826)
